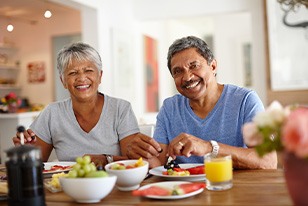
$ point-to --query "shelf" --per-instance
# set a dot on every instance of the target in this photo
(9, 70)
(7, 47)
(9, 86)
(5, 89)
(9, 67)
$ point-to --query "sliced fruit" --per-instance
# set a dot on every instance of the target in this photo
(196, 170)
(97, 174)
(187, 188)
(153, 190)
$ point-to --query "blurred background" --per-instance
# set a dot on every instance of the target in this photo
(252, 45)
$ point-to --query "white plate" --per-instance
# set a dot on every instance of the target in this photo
(170, 185)
(48, 165)
(158, 171)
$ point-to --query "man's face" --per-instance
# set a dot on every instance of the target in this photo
(191, 73)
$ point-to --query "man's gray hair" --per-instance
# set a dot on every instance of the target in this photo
(190, 42)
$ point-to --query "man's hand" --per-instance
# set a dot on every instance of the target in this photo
(187, 145)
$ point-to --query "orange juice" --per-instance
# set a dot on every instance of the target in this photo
(218, 169)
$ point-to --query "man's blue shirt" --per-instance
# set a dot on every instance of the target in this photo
(235, 107)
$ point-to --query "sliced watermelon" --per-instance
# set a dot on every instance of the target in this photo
(187, 188)
(153, 190)
(198, 170)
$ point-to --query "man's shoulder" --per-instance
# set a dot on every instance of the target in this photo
(174, 99)
(172, 105)
(237, 89)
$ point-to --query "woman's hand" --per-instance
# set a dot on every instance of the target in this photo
(141, 145)
(187, 145)
(99, 160)
(29, 137)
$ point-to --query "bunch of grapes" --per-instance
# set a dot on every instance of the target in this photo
(85, 168)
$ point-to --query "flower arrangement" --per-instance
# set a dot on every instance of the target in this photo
(10, 101)
(279, 128)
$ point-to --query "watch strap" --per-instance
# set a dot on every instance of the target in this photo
(109, 158)
(215, 148)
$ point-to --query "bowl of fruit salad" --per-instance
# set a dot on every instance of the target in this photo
(130, 173)
(85, 184)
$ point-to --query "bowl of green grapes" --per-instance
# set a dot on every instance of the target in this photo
(85, 184)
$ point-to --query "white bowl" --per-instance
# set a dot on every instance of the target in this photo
(88, 190)
(128, 179)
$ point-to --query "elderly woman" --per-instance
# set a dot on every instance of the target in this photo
(89, 122)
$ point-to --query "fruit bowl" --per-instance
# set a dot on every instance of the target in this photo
(88, 189)
(129, 176)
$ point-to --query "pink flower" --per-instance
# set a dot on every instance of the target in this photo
(251, 134)
(295, 132)
(276, 129)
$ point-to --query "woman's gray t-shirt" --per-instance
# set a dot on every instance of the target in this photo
(57, 125)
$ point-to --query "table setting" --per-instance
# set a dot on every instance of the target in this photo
(248, 185)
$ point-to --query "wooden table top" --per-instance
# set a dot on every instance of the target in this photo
(250, 187)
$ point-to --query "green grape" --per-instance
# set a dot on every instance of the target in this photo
(81, 173)
(93, 167)
(117, 166)
(72, 174)
(76, 166)
(97, 174)
(87, 168)
(86, 159)
(79, 160)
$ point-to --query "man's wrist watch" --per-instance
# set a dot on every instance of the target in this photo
(109, 158)
(215, 149)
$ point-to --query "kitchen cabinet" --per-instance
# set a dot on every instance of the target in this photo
(9, 70)
(8, 128)
(8, 125)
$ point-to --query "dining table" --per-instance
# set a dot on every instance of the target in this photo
(250, 187)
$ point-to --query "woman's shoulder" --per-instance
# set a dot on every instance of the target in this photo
(115, 101)
(58, 105)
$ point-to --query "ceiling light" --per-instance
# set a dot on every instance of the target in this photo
(47, 14)
(10, 28)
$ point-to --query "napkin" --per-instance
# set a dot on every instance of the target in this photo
(3, 188)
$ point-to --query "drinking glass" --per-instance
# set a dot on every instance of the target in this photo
(218, 172)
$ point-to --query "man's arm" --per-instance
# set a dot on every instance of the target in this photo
(247, 158)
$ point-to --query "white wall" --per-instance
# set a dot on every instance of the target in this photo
(288, 49)
(158, 19)
(232, 26)
(34, 44)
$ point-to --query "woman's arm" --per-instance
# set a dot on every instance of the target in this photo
(31, 138)
(45, 148)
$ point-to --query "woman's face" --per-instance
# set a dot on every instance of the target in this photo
(81, 79)
(191, 73)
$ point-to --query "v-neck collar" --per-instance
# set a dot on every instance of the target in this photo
(73, 117)
(192, 113)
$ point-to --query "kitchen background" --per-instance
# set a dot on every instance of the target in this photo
(248, 42)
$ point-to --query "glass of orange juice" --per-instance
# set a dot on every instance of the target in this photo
(219, 173)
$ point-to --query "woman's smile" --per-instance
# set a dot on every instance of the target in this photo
(83, 87)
